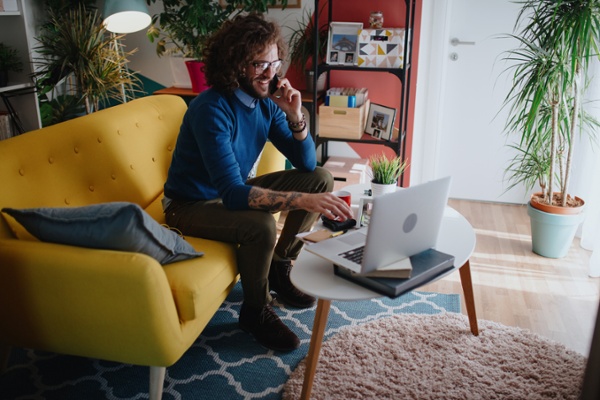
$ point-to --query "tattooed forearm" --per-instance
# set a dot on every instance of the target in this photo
(264, 199)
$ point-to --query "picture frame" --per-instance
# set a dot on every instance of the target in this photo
(380, 121)
(365, 206)
(342, 46)
(290, 4)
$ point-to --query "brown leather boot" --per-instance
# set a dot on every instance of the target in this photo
(267, 328)
(279, 281)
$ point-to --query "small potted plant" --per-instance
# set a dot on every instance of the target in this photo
(385, 173)
(9, 61)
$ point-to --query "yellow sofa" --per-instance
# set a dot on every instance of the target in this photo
(105, 304)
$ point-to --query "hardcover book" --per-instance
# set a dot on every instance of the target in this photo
(426, 266)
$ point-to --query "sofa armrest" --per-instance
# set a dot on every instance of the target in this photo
(271, 160)
(96, 303)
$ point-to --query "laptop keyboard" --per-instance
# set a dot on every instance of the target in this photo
(354, 255)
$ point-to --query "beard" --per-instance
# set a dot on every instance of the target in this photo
(249, 85)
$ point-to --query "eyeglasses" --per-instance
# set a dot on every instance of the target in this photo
(262, 66)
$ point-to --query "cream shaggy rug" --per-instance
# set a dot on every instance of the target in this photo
(414, 356)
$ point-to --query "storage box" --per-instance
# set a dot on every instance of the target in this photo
(381, 48)
(342, 122)
(346, 97)
(347, 171)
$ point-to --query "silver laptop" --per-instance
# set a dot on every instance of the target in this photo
(402, 224)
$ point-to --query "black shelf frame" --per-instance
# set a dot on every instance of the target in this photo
(403, 74)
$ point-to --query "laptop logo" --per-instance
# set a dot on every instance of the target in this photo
(409, 223)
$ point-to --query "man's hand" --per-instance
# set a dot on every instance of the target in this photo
(290, 100)
(327, 204)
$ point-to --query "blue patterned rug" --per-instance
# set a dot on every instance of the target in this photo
(224, 363)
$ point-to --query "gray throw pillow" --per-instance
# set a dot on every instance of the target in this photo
(113, 226)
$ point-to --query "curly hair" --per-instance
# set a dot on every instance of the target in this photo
(235, 45)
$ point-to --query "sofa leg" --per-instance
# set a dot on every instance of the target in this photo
(157, 379)
(4, 354)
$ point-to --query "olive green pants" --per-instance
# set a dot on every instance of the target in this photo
(255, 231)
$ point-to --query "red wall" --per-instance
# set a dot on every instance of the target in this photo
(383, 88)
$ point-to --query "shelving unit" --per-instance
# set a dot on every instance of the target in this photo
(403, 74)
(19, 95)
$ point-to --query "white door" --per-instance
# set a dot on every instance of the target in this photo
(464, 124)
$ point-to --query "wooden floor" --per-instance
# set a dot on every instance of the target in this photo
(554, 298)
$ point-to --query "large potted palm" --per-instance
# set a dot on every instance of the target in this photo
(557, 40)
(184, 26)
(80, 64)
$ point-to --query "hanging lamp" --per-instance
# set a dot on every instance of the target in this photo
(126, 16)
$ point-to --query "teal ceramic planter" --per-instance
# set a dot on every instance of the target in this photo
(552, 234)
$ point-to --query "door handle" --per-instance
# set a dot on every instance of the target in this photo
(457, 42)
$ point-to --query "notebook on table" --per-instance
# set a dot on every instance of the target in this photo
(426, 266)
(403, 224)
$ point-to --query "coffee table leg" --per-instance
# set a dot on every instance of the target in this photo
(316, 340)
(467, 285)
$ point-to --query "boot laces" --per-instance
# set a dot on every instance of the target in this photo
(268, 315)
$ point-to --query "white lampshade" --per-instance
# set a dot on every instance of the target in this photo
(126, 16)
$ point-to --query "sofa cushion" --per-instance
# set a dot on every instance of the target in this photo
(197, 283)
(115, 226)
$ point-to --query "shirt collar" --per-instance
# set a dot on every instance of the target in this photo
(245, 98)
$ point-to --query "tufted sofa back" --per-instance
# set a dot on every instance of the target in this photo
(118, 154)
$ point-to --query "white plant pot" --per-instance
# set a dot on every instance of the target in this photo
(379, 189)
(181, 76)
(310, 81)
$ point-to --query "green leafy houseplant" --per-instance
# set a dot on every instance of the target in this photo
(557, 40)
(9, 61)
(386, 170)
(302, 41)
(77, 56)
(184, 26)
(302, 44)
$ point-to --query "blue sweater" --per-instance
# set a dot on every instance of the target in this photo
(219, 142)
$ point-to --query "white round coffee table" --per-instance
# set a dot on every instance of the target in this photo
(314, 275)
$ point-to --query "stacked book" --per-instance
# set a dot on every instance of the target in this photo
(5, 126)
(346, 97)
(423, 268)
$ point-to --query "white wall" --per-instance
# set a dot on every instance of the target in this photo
(460, 118)
(433, 31)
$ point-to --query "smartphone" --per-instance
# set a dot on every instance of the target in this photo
(273, 86)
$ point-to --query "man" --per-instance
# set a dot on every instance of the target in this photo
(208, 192)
